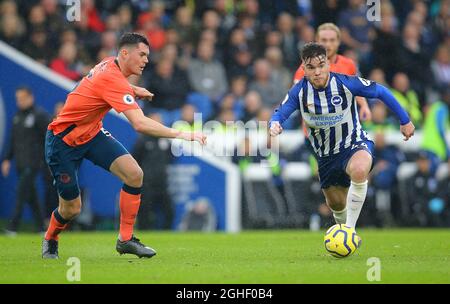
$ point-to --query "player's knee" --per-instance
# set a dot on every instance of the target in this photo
(134, 177)
(68, 192)
(359, 173)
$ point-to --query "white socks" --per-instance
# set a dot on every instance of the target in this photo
(355, 200)
(340, 216)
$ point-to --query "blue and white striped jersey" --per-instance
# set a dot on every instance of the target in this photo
(330, 114)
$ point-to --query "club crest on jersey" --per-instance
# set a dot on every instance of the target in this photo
(128, 99)
(336, 100)
(364, 81)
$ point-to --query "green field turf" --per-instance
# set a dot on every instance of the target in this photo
(292, 256)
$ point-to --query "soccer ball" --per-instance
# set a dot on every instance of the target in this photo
(341, 240)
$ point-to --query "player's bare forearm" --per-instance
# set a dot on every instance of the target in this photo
(148, 126)
(364, 110)
(142, 92)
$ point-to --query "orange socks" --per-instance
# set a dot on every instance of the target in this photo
(130, 199)
(56, 225)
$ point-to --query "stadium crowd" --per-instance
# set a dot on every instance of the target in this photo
(235, 60)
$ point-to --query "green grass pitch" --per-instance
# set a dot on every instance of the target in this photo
(291, 256)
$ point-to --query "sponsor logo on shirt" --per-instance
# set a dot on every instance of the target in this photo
(128, 99)
(336, 100)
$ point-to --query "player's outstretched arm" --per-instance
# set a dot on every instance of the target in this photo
(142, 93)
(364, 110)
(275, 128)
(407, 130)
(148, 126)
(366, 88)
(406, 126)
(288, 106)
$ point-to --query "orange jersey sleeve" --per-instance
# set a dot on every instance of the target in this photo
(103, 88)
(299, 74)
(342, 65)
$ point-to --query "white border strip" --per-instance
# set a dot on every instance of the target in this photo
(35, 67)
(2, 122)
(41, 70)
(233, 221)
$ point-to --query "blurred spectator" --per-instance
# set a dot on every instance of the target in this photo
(211, 21)
(158, 11)
(152, 154)
(280, 74)
(226, 119)
(249, 26)
(226, 11)
(273, 38)
(235, 99)
(37, 48)
(271, 92)
(380, 119)
(37, 17)
(440, 16)
(109, 43)
(209, 36)
(241, 63)
(378, 76)
(185, 25)
(199, 216)
(55, 18)
(386, 46)
(440, 66)
(170, 86)
(355, 28)
(64, 64)
(307, 34)
(414, 61)
(188, 120)
(326, 11)
(387, 159)
(151, 28)
(125, 18)
(94, 22)
(236, 42)
(422, 189)
(407, 98)
(252, 106)
(12, 30)
(26, 147)
(436, 126)
(206, 75)
(285, 24)
(90, 40)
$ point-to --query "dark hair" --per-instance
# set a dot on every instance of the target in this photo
(131, 39)
(24, 88)
(312, 50)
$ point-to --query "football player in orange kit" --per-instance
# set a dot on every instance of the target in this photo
(329, 35)
(77, 133)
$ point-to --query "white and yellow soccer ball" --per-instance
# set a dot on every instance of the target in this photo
(341, 241)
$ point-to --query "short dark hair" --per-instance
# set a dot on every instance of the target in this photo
(312, 50)
(24, 88)
(132, 39)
